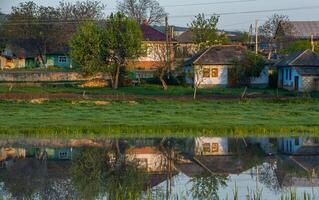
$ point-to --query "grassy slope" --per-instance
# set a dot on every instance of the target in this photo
(158, 118)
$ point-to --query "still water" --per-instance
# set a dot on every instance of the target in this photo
(160, 168)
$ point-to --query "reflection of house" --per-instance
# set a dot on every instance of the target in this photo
(213, 67)
(148, 158)
(213, 146)
(299, 71)
(268, 145)
(299, 146)
(298, 171)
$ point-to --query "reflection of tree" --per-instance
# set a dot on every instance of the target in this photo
(266, 175)
(89, 171)
(206, 186)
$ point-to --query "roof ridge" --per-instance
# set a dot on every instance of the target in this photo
(203, 54)
(294, 60)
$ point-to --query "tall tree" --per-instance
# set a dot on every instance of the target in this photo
(269, 28)
(141, 10)
(107, 48)
(123, 39)
(205, 32)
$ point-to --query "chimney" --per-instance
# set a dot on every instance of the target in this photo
(145, 22)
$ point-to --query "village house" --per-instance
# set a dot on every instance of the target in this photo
(298, 146)
(299, 71)
(212, 67)
(158, 49)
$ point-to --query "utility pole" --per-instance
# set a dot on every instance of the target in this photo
(167, 41)
(312, 44)
(256, 31)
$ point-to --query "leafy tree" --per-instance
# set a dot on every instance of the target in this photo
(88, 49)
(299, 45)
(206, 186)
(269, 28)
(123, 39)
(205, 33)
(247, 68)
(140, 10)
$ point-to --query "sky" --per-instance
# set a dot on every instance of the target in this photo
(182, 15)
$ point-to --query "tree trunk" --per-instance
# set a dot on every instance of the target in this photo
(117, 76)
(162, 80)
(270, 50)
(195, 91)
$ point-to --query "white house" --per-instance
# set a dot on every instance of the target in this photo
(212, 67)
(299, 71)
(208, 146)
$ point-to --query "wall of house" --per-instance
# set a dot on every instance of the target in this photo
(54, 61)
(19, 63)
(153, 162)
(3, 61)
(289, 145)
(220, 80)
(211, 146)
(286, 76)
(262, 80)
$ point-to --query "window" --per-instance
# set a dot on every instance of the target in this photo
(206, 147)
(286, 71)
(62, 59)
(289, 74)
(63, 155)
(297, 141)
(206, 73)
(215, 147)
(215, 72)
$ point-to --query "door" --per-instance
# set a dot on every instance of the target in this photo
(296, 83)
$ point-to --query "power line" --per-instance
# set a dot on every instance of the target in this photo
(254, 11)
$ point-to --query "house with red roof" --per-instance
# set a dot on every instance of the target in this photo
(156, 50)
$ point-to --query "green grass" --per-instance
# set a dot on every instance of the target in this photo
(162, 118)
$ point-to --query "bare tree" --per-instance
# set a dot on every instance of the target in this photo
(161, 54)
(269, 28)
(141, 10)
(198, 77)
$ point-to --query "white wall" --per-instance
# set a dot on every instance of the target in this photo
(221, 80)
(263, 79)
(222, 145)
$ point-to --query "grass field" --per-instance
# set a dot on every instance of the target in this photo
(146, 117)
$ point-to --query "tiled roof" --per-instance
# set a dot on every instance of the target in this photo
(302, 29)
(220, 55)
(186, 37)
(300, 58)
(151, 34)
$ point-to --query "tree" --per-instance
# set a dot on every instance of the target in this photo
(141, 10)
(269, 28)
(247, 68)
(123, 39)
(300, 45)
(205, 33)
(160, 51)
(107, 48)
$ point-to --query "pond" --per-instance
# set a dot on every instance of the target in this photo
(160, 168)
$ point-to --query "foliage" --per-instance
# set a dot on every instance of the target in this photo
(123, 39)
(140, 10)
(299, 45)
(244, 37)
(205, 32)
(248, 67)
(88, 172)
(206, 186)
(88, 50)
(107, 48)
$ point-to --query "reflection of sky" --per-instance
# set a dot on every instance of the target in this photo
(229, 22)
(182, 187)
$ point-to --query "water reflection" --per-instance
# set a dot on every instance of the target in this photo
(158, 168)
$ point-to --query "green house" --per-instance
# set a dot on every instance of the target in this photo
(58, 60)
